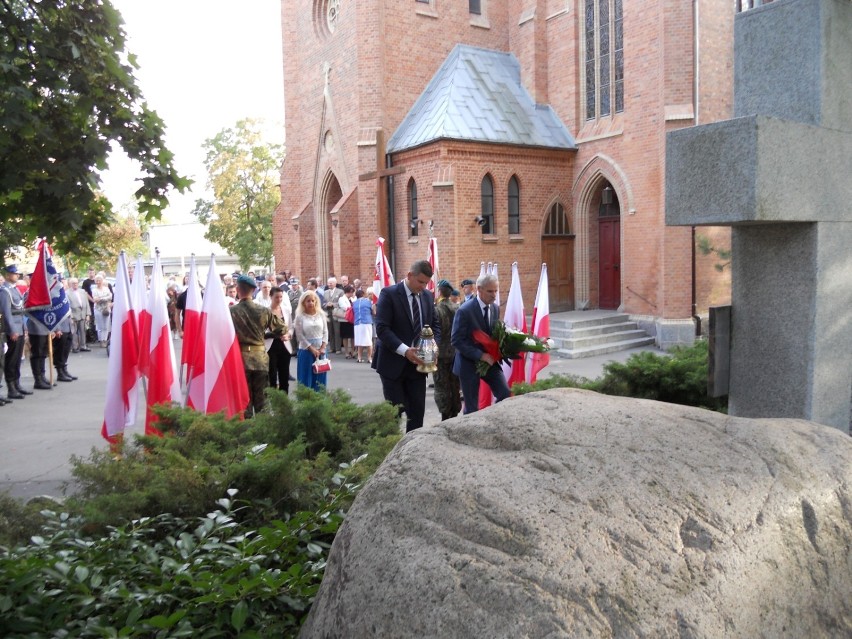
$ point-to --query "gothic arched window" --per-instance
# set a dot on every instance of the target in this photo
(412, 208)
(514, 206)
(557, 221)
(487, 205)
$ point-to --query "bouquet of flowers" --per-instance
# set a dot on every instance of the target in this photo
(506, 343)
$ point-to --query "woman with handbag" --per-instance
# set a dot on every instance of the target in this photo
(347, 327)
(311, 329)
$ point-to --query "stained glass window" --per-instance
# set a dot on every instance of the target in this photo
(604, 58)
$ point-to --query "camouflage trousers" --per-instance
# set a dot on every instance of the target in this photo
(447, 389)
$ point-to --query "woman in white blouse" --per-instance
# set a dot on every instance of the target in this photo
(102, 298)
(312, 335)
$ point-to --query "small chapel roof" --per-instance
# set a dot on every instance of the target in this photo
(477, 95)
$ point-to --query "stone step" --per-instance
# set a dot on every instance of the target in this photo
(567, 333)
(603, 349)
(573, 324)
(581, 342)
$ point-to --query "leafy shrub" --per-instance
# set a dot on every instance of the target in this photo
(679, 377)
(166, 576)
(283, 459)
(18, 521)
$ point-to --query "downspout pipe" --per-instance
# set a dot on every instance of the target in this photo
(391, 216)
(695, 104)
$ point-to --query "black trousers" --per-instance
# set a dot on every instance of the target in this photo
(409, 393)
(279, 366)
(38, 346)
(12, 365)
(257, 382)
(61, 349)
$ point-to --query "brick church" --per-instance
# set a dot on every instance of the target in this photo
(510, 130)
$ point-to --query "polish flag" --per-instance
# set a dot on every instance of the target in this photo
(514, 317)
(384, 277)
(191, 316)
(138, 299)
(157, 352)
(540, 326)
(433, 262)
(216, 377)
(122, 386)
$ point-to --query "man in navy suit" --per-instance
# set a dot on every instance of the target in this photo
(479, 312)
(403, 310)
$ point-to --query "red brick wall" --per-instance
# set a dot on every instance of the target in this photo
(384, 54)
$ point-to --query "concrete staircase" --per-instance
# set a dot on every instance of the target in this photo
(590, 333)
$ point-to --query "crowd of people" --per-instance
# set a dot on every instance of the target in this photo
(277, 319)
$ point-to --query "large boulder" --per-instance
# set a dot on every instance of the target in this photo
(571, 514)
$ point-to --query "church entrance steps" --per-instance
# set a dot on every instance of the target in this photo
(590, 333)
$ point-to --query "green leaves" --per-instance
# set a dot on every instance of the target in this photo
(244, 176)
(66, 90)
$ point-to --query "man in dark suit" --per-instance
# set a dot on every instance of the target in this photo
(479, 312)
(403, 310)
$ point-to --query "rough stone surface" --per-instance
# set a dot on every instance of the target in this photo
(570, 514)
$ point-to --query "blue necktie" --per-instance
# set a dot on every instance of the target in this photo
(485, 316)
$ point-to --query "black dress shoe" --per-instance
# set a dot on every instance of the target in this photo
(3, 402)
(86, 350)
(13, 395)
(22, 391)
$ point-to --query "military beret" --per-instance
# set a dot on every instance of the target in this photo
(247, 281)
(444, 284)
(467, 282)
(11, 268)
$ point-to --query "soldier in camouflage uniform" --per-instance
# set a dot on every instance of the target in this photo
(447, 390)
(251, 322)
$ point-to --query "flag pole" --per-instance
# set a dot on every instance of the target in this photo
(50, 356)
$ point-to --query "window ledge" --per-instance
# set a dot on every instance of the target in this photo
(414, 240)
(480, 21)
(427, 13)
(490, 238)
(608, 127)
(516, 238)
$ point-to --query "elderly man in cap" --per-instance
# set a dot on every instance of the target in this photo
(447, 390)
(468, 289)
(12, 309)
(251, 322)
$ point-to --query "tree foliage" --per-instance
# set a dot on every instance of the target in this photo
(67, 91)
(244, 176)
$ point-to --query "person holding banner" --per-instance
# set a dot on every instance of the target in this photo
(12, 309)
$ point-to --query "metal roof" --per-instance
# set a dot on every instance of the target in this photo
(477, 96)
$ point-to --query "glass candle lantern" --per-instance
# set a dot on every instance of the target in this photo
(427, 350)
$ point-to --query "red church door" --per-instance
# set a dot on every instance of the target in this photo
(609, 233)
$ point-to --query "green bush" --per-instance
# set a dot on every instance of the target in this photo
(283, 458)
(679, 377)
(165, 576)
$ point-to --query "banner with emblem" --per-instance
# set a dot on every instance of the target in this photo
(46, 302)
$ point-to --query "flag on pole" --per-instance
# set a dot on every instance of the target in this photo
(216, 378)
(540, 326)
(384, 277)
(46, 303)
(433, 262)
(514, 317)
(485, 396)
(157, 353)
(122, 368)
(191, 315)
(138, 299)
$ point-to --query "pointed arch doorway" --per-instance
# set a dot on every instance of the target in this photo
(609, 252)
(557, 251)
(331, 195)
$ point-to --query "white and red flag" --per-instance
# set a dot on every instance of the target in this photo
(540, 326)
(156, 350)
(191, 315)
(514, 317)
(383, 277)
(123, 377)
(216, 377)
(433, 262)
